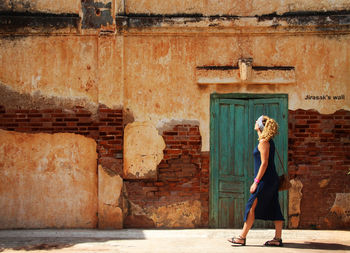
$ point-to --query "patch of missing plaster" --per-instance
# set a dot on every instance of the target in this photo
(169, 124)
(14, 100)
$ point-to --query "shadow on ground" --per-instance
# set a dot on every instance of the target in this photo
(317, 245)
(307, 245)
(52, 243)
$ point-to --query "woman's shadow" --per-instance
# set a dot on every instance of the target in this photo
(309, 245)
(317, 245)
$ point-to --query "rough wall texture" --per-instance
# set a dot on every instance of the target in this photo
(319, 148)
(230, 7)
(47, 181)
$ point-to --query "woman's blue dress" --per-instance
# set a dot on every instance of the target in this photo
(268, 207)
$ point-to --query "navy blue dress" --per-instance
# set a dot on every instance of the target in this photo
(268, 207)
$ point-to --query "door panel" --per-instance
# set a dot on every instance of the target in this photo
(274, 108)
(233, 140)
(228, 180)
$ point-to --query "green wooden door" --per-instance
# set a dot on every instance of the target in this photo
(232, 141)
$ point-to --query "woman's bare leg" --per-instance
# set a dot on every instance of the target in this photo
(248, 224)
(278, 234)
(278, 228)
(250, 220)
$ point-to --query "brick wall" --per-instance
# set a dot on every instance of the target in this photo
(106, 127)
(183, 174)
(319, 149)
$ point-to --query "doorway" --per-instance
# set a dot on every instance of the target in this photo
(232, 141)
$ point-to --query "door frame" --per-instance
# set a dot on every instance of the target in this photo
(214, 99)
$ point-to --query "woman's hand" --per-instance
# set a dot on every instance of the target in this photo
(253, 187)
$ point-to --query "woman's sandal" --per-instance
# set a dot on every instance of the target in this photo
(275, 242)
(236, 240)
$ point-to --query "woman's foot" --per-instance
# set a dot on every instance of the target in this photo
(276, 242)
(237, 240)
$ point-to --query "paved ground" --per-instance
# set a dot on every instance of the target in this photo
(190, 240)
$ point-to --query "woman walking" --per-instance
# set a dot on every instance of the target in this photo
(263, 202)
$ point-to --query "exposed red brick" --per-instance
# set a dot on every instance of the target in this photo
(319, 155)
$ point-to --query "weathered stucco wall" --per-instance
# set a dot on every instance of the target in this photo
(62, 6)
(47, 181)
(160, 82)
(62, 67)
(231, 7)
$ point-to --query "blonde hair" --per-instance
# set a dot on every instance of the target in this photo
(270, 128)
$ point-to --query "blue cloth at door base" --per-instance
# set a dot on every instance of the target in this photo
(268, 207)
